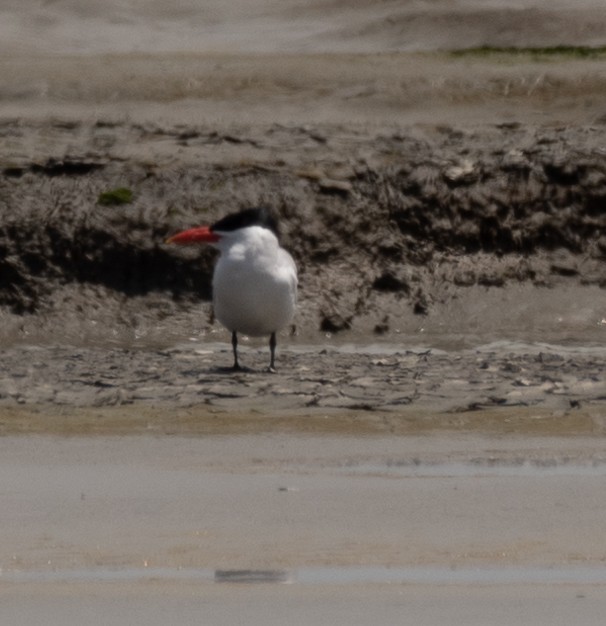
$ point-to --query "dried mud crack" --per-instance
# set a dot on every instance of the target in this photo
(380, 391)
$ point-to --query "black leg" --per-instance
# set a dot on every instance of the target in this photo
(234, 345)
(272, 351)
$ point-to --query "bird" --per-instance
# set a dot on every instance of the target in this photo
(254, 280)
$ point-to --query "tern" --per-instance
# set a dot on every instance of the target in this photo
(254, 281)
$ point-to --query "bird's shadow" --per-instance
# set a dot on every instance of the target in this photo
(234, 371)
(231, 370)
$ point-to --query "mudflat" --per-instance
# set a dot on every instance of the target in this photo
(431, 448)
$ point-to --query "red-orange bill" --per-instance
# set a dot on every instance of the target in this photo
(201, 234)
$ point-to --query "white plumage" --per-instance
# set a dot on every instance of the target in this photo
(254, 283)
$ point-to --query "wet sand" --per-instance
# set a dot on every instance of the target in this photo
(466, 528)
(351, 605)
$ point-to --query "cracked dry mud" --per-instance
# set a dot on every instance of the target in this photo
(414, 390)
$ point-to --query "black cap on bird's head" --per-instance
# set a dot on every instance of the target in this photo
(248, 217)
(230, 223)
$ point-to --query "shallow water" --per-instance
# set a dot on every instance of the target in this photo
(273, 529)
(453, 575)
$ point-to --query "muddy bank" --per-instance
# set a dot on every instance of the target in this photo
(499, 388)
(385, 225)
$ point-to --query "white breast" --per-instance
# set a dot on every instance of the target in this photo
(255, 283)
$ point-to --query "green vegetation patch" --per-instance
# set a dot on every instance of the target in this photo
(121, 195)
(547, 52)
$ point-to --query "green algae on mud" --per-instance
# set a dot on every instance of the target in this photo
(114, 197)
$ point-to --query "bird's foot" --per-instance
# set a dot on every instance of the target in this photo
(271, 370)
